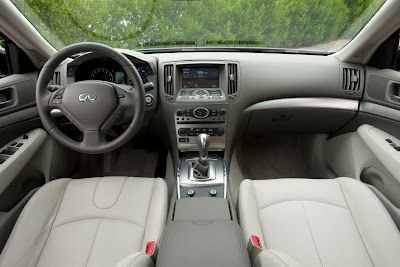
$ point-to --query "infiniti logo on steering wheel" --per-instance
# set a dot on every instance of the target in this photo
(87, 97)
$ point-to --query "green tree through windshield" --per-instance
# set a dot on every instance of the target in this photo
(313, 24)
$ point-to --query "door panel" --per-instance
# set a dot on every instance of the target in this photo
(365, 155)
(18, 113)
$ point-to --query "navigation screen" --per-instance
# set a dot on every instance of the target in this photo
(200, 78)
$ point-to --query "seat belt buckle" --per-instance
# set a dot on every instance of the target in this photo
(151, 250)
(255, 241)
(254, 247)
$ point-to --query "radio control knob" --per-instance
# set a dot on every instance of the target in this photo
(182, 132)
(179, 112)
(222, 112)
(201, 113)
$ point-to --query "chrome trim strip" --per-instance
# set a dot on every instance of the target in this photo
(379, 110)
(307, 102)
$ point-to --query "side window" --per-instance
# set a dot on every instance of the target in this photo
(387, 56)
(4, 71)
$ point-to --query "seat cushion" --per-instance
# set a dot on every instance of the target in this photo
(87, 222)
(320, 222)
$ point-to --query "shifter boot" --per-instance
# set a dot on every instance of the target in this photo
(201, 170)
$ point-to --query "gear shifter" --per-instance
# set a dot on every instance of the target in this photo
(201, 167)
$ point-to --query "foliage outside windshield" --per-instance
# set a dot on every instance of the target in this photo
(319, 25)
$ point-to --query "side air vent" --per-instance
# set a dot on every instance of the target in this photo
(232, 79)
(351, 79)
(168, 80)
(56, 78)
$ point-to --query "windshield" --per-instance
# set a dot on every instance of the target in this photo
(306, 25)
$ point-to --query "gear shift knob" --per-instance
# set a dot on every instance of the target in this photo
(203, 142)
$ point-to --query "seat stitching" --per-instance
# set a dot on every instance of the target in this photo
(303, 201)
(358, 230)
(118, 198)
(312, 236)
(98, 218)
(52, 225)
(94, 239)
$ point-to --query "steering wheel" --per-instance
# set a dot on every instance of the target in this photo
(92, 106)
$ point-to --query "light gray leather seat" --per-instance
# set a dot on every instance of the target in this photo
(309, 222)
(89, 222)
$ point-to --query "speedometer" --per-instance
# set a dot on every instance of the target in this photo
(102, 74)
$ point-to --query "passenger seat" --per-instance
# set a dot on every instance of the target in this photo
(317, 222)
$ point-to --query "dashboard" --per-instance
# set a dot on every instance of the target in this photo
(228, 94)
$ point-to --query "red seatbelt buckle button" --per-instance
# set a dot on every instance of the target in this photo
(150, 248)
(255, 240)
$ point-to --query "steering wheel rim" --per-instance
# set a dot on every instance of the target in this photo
(127, 97)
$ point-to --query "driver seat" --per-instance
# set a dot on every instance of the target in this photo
(89, 222)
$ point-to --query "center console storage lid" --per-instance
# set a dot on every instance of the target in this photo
(202, 233)
(201, 209)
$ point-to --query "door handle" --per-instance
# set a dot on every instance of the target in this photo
(5, 103)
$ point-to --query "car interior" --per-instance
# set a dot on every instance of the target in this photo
(198, 155)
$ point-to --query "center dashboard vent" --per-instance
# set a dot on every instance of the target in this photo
(232, 79)
(168, 80)
(351, 80)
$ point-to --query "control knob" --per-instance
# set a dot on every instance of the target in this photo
(219, 131)
(179, 112)
(213, 192)
(201, 113)
(182, 132)
(222, 112)
(190, 192)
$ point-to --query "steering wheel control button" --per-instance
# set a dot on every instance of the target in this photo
(149, 99)
(191, 193)
(201, 113)
(213, 193)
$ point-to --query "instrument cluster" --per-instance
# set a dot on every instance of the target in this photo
(110, 71)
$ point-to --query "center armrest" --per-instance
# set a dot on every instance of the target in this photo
(202, 233)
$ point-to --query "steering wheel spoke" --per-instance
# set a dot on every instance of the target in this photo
(93, 139)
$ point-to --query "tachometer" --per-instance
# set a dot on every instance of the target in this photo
(102, 74)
